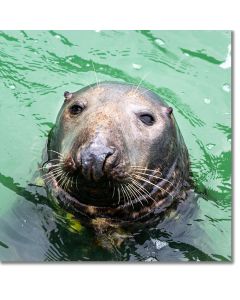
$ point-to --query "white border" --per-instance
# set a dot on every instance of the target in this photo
(124, 281)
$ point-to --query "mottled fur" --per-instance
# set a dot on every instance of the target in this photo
(110, 118)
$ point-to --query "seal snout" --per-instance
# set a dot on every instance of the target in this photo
(94, 159)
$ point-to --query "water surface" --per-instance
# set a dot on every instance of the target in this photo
(191, 70)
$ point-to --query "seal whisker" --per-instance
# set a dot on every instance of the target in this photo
(61, 179)
(48, 162)
(76, 182)
(119, 196)
(65, 180)
(138, 185)
(65, 186)
(124, 192)
(124, 195)
(50, 178)
(51, 174)
(69, 184)
(140, 194)
(59, 154)
(54, 175)
(140, 173)
(148, 90)
(134, 193)
(146, 169)
(53, 159)
(56, 167)
(72, 181)
(113, 191)
(130, 195)
(147, 181)
(144, 77)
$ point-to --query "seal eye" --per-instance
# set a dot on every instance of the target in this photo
(76, 109)
(147, 119)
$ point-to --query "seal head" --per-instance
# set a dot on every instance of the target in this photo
(116, 152)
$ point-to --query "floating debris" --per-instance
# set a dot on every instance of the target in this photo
(226, 87)
(210, 146)
(207, 100)
(159, 244)
(159, 42)
(137, 66)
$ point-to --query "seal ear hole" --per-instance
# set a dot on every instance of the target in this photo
(147, 119)
(76, 109)
(67, 96)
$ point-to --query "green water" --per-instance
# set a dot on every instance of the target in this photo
(189, 69)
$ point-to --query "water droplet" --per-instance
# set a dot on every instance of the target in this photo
(137, 66)
(57, 36)
(12, 87)
(186, 54)
(207, 100)
(98, 30)
(159, 42)
(229, 140)
(210, 146)
(226, 87)
(87, 65)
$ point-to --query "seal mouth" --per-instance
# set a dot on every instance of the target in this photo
(124, 213)
(136, 189)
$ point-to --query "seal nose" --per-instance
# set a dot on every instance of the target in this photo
(93, 159)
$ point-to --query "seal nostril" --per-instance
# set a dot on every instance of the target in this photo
(94, 159)
(110, 153)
